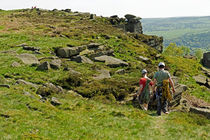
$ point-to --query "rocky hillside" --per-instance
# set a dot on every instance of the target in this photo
(64, 71)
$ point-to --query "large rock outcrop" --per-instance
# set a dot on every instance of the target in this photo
(130, 23)
(133, 24)
(206, 59)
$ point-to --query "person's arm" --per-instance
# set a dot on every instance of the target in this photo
(172, 84)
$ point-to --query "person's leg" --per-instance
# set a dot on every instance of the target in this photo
(165, 106)
(158, 105)
(145, 106)
(140, 102)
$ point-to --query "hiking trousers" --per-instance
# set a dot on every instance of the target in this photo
(162, 104)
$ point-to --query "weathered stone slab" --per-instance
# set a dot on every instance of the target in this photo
(55, 64)
(54, 101)
(15, 64)
(23, 82)
(30, 48)
(203, 111)
(5, 85)
(93, 45)
(44, 66)
(82, 59)
(120, 71)
(68, 52)
(200, 79)
(28, 59)
(104, 74)
(111, 61)
(144, 59)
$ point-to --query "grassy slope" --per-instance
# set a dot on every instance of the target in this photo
(187, 31)
(26, 117)
(23, 117)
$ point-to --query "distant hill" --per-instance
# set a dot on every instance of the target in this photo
(188, 31)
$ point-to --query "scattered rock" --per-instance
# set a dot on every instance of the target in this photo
(185, 105)
(68, 52)
(4, 115)
(200, 79)
(37, 52)
(55, 64)
(49, 89)
(92, 16)
(28, 59)
(13, 52)
(93, 45)
(29, 48)
(52, 27)
(50, 57)
(5, 85)
(54, 101)
(178, 95)
(203, 111)
(82, 59)
(23, 82)
(65, 52)
(120, 71)
(28, 94)
(206, 71)
(72, 71)
(190, 57)
(22, 45)
(101, 53)
(73, 93)
(158, 56)
(106, 36)
(116, 21)
(44, 66)
(87, 52)
(111, 61)
(67, 10)
(104, 74)
(208, 84)
(175, 80)
(15, 64)
(114, 16)
(144, 59)
(129, 16)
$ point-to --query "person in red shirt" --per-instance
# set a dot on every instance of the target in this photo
(144, 93)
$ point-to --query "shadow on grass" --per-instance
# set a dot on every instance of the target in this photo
(153, 114)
